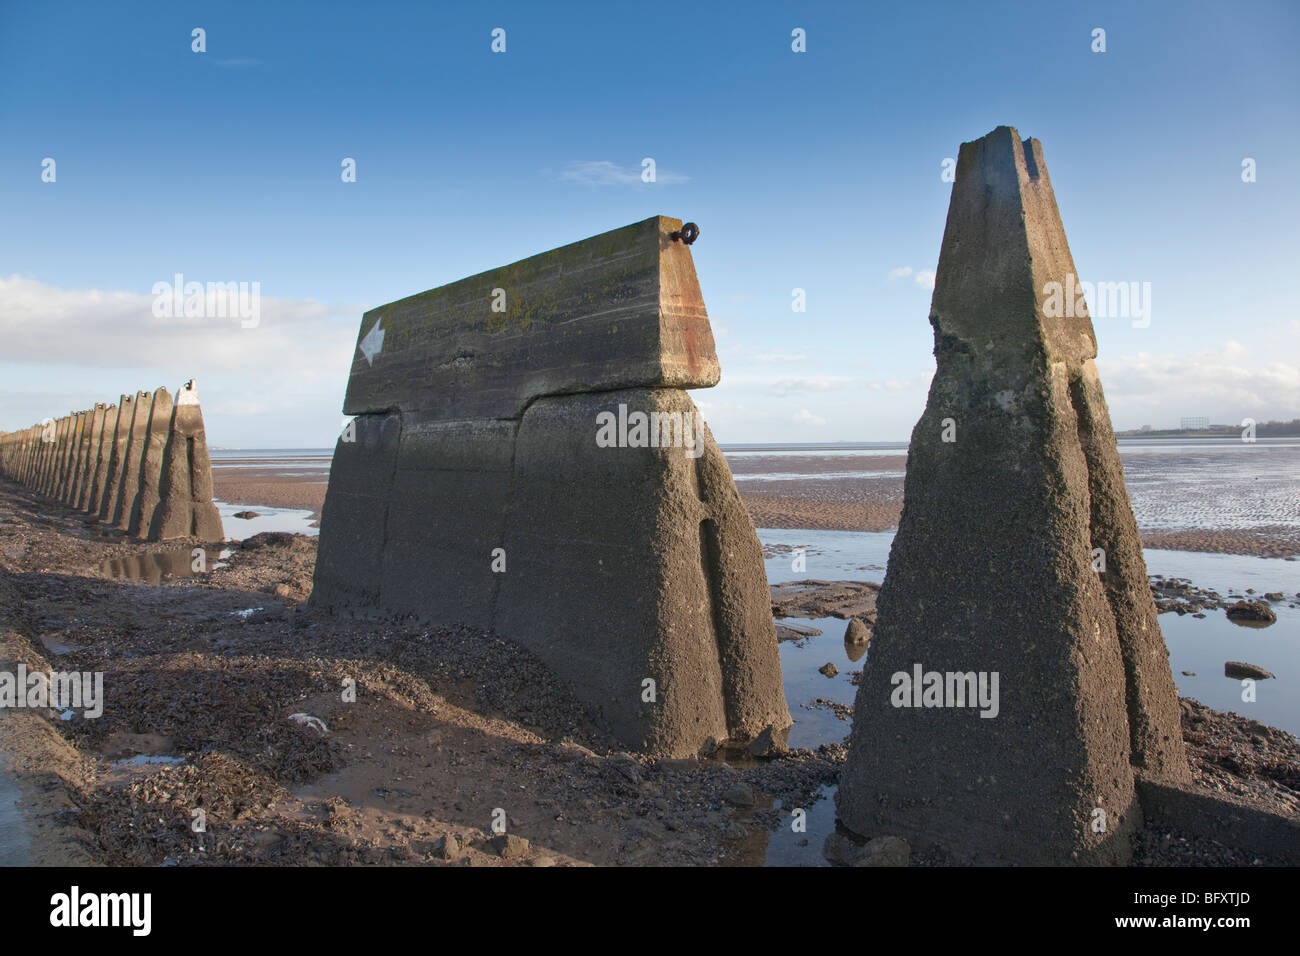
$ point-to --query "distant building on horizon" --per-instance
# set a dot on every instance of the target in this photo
(1194, 423)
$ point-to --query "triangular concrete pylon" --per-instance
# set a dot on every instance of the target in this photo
(1014, 498)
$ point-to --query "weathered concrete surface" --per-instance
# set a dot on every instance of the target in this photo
(471, 488)
(618, 310)
(155, 444)
(992, 567)
(185, 486)
(609, 545)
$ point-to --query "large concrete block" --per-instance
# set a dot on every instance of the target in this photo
(350, 557)
(617, 310)
(475, 487)
(635, 563)
(1013, 481)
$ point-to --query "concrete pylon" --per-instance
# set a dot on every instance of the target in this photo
(103, 456)
(1014, 494)
(73, 486)
(123, 463)
(53, 451)
(185, 484)
(59, 461)
(68, 473)
(89, 457)
(532, 421)
(159, 429)
(132, 460)
(108, 506)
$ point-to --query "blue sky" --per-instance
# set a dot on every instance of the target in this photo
(816, 170)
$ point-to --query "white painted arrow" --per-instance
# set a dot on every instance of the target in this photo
(373, 342)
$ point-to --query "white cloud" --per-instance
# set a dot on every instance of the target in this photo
(794, 386)
(278, 384)
(1225, 384)
(808, 418)
(602, 172)
(902, 272)
(778, 357)
(44, 325)
(925, 278)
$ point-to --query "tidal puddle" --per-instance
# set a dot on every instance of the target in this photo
(144, 760)
(56, 646)
(15, 841)
(790, 847)
(293, 520)
(806, 687)
(159, 566)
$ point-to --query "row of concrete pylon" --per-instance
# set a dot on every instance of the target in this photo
(141, 465)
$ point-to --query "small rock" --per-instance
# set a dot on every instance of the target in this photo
(448, 848)
(840, 850)
(740, 795)
(267, 838)
(544, 861)
(829, 669)
(508, 846)
(1251, 611)
(885, 851)
(1240, 669)
(1274, 596)
(1189, 673)
(856, 632)
(247, 514)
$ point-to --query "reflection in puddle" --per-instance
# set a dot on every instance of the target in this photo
(159, 566)
(789, 847)
(142, 760)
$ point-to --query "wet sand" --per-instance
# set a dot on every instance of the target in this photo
(269, 486)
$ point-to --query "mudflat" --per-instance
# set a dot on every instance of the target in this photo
(451, 729)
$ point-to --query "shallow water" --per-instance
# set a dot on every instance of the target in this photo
(268, 519)
(1198, 645)
(15, 841)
